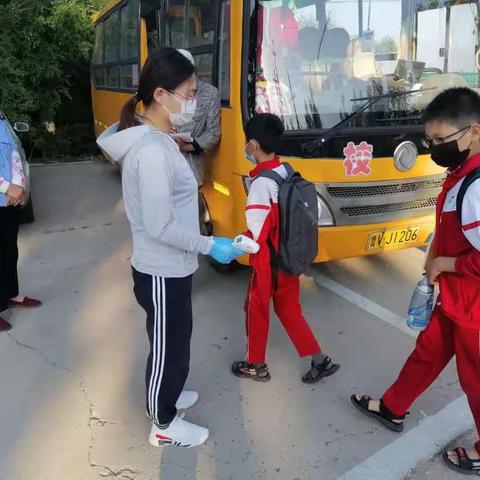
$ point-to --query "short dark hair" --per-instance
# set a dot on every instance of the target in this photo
(457, 106)
(267, 130)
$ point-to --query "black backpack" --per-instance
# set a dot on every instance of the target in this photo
(298, 206)
(473, 176)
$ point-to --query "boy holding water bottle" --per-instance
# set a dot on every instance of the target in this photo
(452, 135)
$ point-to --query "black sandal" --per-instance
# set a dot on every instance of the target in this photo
(321, 370)
(247, 370)
(465, 466)
(384, 416)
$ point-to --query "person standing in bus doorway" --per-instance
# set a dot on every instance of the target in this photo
(452, 128)
(204, 129)
(160, 195)
(12, 194)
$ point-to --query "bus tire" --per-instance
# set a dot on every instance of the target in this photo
(221, 268)
(206, 229)
(206, 225)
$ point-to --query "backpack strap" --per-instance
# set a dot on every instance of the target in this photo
(290, 171)
(279, 180)
(472, 177)
(276, 177)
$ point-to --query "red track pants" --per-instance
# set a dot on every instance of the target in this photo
(435, 347)
(286, 302)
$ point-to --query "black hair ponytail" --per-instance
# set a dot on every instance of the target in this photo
(128, 117)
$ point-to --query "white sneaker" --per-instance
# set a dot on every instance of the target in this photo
(186, 400)
(180, 433)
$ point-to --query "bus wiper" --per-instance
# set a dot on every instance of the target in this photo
(311, 147)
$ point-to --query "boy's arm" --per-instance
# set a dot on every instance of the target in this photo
(431, 253)
(258, 208)
(469, 264)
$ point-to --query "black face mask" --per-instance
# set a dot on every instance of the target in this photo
(448, 155)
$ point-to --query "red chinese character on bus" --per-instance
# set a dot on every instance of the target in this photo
(357, 159)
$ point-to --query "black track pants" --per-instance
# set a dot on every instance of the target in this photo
(168, 305)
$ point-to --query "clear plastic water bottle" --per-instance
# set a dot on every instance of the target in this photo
(421, 305)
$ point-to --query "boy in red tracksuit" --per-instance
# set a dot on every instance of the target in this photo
(264, 135)
(452, 127)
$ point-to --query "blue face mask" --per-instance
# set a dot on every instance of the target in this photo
(250, 157)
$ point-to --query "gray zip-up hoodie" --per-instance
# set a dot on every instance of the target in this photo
(161, 200)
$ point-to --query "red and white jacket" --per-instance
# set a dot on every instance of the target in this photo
(262, 212)
(460, 292)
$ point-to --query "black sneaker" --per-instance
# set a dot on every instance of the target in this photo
(247, 370)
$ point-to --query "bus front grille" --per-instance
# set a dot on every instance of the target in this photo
(378, 202)
(390, 208)
(386, 189)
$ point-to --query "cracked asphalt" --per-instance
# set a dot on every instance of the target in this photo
(72, 372)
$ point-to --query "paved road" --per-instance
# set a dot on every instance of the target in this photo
(72, 402)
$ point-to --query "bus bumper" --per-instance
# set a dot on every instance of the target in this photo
(335, 243)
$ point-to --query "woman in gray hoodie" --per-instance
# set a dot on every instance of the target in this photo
(160, 195)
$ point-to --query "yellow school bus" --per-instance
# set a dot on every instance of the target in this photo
(349, 79)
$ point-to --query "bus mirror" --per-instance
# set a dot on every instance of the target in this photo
(21, 127)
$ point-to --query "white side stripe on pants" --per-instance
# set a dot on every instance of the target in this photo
(158, 358)
(162, 341)
(151, 405)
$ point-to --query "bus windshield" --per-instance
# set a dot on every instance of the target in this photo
(318, 61)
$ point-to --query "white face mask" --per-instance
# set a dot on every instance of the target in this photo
(187, 111)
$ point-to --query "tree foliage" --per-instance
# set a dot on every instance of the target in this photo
(387, 45)
(44, 43)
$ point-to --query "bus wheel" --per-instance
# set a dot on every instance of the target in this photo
(206, 225)
(221, 268)
(206, 229)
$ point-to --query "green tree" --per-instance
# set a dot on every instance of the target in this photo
(42, 46)
(386, 45)
(45, 50)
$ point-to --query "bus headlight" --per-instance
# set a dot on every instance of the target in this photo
(405, 156)
(325, 216)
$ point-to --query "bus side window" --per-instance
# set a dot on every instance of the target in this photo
(151, 11)
(224, 53)
(153, 30)
(112, 30)
(175, 24)
(129, 45)
(201, 26)
(98, 69)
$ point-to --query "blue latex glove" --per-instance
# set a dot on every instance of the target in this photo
(223, 250)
